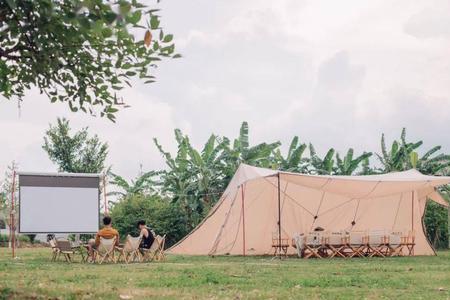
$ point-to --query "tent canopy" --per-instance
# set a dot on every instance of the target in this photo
(246, 217)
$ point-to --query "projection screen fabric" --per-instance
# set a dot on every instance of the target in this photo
(59, 203)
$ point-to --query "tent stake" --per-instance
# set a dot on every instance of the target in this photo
(243, 219)
(279, 216)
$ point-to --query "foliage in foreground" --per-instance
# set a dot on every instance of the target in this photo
(79, 52)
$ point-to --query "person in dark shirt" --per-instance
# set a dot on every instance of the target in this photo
(146, 234)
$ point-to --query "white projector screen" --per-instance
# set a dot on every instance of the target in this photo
(59, 203)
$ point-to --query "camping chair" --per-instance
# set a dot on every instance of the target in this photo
(298, 242)
(376, 244)
(356, 242)
(160, 255)
(55, 249)
(313, 245)
(130, 251)
(409, 242)
(335, 243)
(64, 247)
(156, 251)
(395, 244)
(105, 250)
(280, 245)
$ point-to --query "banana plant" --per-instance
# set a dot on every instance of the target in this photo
(294, 162)
(403, 156)
(349, 165)
(321, 166)
(259, 155)
(143, 185)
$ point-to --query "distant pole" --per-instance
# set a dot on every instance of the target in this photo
(412, 211)
(104, 194)
(12, 227)
(279, 216)
(243, 220)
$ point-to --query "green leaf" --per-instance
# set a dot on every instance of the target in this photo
(168, 38)
(154, 22)
(135, 17)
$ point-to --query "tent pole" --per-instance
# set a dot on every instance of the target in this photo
(243, 219)
(412, 211)
(12, 226)
(279, 216)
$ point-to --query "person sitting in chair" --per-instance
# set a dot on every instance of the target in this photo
(107, 232)
(146, 234)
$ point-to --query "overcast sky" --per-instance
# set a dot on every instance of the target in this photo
(336, 73)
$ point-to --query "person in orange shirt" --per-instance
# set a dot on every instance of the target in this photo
(107, 232)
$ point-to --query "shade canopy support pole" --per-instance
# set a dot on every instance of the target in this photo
(412, 211)
(279, 216)
(12, 225)
(243, 218)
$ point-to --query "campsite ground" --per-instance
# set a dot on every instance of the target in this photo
(33, 276)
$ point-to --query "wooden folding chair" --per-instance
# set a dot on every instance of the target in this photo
(156, 251)
(395, 244)
(409, 242)
(55, 249)
(160, 254)
(335, 243)
(313, 245)
(130, 251)
(376, 244)
(356, 242)
(280, 244)
(105, 250)
(65, 248)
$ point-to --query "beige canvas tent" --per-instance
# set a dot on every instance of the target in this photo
(247, 215)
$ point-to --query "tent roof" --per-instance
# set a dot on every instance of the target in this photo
(364, 186)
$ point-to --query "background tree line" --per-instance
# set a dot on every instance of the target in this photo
(176, 199)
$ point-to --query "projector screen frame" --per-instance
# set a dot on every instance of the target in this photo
(78, 175)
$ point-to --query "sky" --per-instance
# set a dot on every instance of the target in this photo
(335, 73)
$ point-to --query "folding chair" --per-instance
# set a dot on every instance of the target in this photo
(376, 244)
(280, 244)
(395, 244)
(55, 249)
(313, 245)
(130, 251)
(356, 242)
(335, 243)
(160, 255)
(105, 250)
(156, 251)
(64, 247)
(409, 242)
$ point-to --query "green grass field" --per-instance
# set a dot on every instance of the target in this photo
(33, 276)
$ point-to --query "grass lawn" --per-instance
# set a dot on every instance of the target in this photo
(33, 276)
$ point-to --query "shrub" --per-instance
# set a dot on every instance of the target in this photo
(23, 238)
(4, 238)
(161, 215)
(436, 220)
